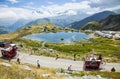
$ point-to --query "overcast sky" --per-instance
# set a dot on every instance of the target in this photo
(17, 9)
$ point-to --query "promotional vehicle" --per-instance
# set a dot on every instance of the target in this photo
(9, 52)
(92, 62)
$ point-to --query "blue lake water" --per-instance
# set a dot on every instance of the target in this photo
(68, 37)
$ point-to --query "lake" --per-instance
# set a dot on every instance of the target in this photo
(60, 37)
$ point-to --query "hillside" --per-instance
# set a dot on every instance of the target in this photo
(18, 24)
(28, 30)
(38, 21)
(61, 21)
(112, 22)
(91, 25)
(64, 20)
(3, 30)
(95, 17)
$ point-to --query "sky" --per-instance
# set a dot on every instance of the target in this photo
(33, 9)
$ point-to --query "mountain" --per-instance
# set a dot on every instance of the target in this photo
(3, 30)
(64, 20)
(38, 21)
(35, 14)
(117, 11)
(96, 17)
(40, 16)
(61, 20)
(112, 22)
(6, 21)
(18, 24)
(11, 27)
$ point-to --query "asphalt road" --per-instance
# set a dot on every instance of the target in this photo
(50, 62)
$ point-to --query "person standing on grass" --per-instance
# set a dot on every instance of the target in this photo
(31, 51)
(56, 57)
(69, 68)
(113, 69)
(18, 60)
(38, 65)
(75, 57)
(9, 59)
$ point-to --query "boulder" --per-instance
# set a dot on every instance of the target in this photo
(5, 64)
(26, 67)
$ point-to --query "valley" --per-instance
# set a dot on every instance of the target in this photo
(59, 44)
(105, 46)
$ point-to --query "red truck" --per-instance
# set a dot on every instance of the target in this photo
(92, 62)
(9, 52)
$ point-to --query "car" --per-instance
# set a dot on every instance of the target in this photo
(117, 36)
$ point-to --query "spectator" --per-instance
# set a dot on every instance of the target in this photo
(99, 57)
(113, 69)
(56, 56)
(87, 57)
(9, 59)
(18, 60)
(31, 51)
(38, 65)
(69, 68)
(74, 57)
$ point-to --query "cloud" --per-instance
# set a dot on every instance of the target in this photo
(71, 12)
(113, 8)
(73, 0)
(70, 8)
(49, 2)
(2, 5)
(30, 3)
(104, 3)
(13, 1)
(55, 8)
(95, 1)
(28, 12)
(14, 13)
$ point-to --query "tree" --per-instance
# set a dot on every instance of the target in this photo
(62, 39)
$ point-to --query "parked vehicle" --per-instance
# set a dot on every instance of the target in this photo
(108, 36)
(117, 36)
(9, 52)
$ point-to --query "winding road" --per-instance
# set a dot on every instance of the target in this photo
(50, 62)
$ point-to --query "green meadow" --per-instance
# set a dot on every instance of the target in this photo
(107, 47)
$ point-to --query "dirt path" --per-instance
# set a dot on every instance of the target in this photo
(50, 62)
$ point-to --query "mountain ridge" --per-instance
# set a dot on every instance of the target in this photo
(94, 17)
(112, 22)
(3, 30)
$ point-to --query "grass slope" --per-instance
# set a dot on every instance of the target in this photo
(26, 30)
(107, 47)
(16, 71)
